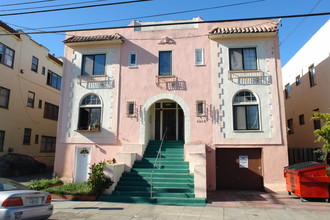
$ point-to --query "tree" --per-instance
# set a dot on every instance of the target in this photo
(323, 134)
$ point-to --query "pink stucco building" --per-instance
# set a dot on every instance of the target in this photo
(214, 86)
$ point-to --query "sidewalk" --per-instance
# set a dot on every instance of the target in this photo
(232, 205)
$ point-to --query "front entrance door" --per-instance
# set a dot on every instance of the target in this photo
(82, 164)
(169, 115)
(239, 169)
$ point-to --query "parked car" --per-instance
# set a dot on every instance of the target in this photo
(16, 164)
(19, 202)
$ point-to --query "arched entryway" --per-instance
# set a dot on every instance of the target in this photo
(161, 111)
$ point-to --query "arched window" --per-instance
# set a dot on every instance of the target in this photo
(246, 111)
(90, 113)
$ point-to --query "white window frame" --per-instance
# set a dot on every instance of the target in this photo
(201, 51)
(130, 63)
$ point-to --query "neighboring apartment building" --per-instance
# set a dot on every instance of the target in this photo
(29, 96)
(215, 86)
(306, 80)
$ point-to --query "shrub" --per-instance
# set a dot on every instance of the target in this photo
(43, 183)
(98, 181)
(76, 189)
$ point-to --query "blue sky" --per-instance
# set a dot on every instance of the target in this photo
(293, 32)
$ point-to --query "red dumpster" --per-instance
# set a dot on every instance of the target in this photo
(307, 180)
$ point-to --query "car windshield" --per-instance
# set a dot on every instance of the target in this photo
(7, 185)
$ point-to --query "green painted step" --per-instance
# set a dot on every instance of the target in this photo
(162, 165)
(156, 184)
(147, 179)
(141, 170)
(155, 194)
(159, 175)
(156, 189)
(155, 200)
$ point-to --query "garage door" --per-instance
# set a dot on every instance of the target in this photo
(239, 169)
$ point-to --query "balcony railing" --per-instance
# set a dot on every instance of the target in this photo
(249, 77)
(95, 81)
(170, 82)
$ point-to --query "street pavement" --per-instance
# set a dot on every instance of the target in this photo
(222, 205)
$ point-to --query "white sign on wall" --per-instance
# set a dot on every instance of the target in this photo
(243, 161)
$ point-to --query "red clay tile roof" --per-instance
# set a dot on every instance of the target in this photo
(9, 29)
(76, 39)
(55, 59)
(242, 30)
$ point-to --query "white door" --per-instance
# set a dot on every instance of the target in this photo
(82, 164)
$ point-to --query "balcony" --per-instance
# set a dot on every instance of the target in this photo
(170, 82)
(95, 81)
(249, 77)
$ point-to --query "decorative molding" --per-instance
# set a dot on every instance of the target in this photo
(167, 40)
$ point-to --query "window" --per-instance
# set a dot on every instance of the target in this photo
(51, 111)
(199, 57)
(36, 139)
(130, 109)
(4, 97)
(43, 70)
(90, 113)
(317, 123)
(311, 72)
(48, 144)
(2, 140)
(54, 80)
(93, 64)
(132, 61)
(40, 104)
(27, 136)
(243, 59)
(165, 63)
(290, 126)
(200, 108)
(34, 65)
(30, 101)
(287, 91)
(301, 119)
(246, 111)
(6, 55)
(298, 80)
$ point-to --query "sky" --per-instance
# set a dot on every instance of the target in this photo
(293, 32)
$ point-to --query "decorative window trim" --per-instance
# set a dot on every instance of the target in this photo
(132, 64)
(131, 109)
(90, 104)
(200, 108)
(201, 61)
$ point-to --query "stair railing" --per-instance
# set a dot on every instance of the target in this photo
(159, 155)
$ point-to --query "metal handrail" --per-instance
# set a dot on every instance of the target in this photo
(159, 154)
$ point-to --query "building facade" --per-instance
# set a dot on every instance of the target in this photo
(29, 96)
(305, 80)
(215, 86)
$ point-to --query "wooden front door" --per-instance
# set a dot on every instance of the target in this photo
(239, 169)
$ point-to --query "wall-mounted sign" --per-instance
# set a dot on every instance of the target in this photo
(243, 161)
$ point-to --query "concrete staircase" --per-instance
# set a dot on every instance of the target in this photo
(172, 184)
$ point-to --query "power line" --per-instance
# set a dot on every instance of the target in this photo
(71, 8)
(148, 16)
(26, 3)
(298, 25)
(179, 23)
(53, 6)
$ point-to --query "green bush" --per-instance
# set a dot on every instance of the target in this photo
(76, 189)
(98, 181)
(43, 183)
